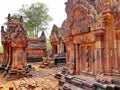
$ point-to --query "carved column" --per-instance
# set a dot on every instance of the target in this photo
(98, 54)
(10, 56)
(58, 48)
(77, 59)
(86, 59)
(111, 46)
(114, 47)
(80, 58)
(4, 44)
(98, 51)
(118, 49)
(72, 57)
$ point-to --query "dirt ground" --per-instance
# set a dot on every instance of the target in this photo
(42, 79)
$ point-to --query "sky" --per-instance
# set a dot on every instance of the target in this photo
(56, 10)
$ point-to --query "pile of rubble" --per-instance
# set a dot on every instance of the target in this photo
(47, 62)
(42, 79)
(36, 83)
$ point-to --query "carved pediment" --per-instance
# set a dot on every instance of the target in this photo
(54, 34)
(81, 21)
(53, 38)
(54, 29)
(19, 38)
(15, 32)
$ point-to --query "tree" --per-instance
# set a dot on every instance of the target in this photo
(49, 47)
(36, 18)
(1, 49)
(16, 16)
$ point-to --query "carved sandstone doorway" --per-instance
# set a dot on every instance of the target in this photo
(86, 58)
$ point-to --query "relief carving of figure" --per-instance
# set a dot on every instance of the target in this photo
(100, 22)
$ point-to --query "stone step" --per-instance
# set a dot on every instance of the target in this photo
(58, 76)
(68, 86)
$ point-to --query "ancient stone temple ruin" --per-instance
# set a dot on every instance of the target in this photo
(36, 48)
(15, 42)
(56, 40)
(92, 39)
(58, 46)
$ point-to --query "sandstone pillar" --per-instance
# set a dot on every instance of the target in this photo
(99, 37)
(111, 46)
(77, 59)
(98, 52)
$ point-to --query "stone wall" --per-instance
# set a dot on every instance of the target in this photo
(37, 47)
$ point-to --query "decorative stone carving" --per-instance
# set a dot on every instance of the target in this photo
(14, 44)
(84, 38)
(81, 23)
(94, 37)
(106, 5)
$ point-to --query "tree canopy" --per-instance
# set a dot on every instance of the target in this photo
(36, 18)
(16, 16)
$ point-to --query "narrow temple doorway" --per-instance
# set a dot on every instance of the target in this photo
(64, 48)
(86, 57)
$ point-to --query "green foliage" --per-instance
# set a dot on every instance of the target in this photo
(49, 47)
(36, 18)
(16, 16)
(1, 49)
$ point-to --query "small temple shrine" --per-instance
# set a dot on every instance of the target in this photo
(58, 45)
(91, 36)
(15, 42)
(56, 40)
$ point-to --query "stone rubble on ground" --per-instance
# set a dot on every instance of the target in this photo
(43, 79)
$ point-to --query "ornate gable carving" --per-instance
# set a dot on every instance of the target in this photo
(80, 16)
(54, 34)
(81, 21)
(53, 38)
(16, 33)
(19, 37)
